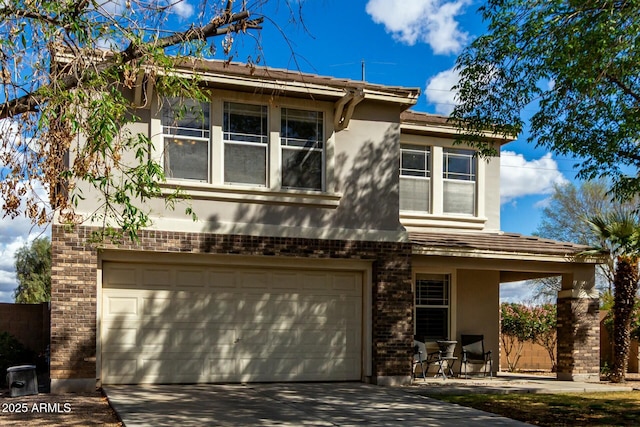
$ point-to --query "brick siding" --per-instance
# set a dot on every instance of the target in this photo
(74, 275)
(578, 338)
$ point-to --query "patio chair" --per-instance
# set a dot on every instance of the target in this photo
(444, 358)
(419, 358)
(473, 353)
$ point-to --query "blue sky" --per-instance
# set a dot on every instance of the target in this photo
(410, 43)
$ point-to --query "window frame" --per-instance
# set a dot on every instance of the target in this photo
(448, 306)
(165, 136)
(428, 172)
(229, 142)
(322, 149)
(469, 178)
(215, 188)
(415, 220)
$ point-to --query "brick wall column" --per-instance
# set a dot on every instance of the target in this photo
(393, 317)
(73, 311)
(578, 339)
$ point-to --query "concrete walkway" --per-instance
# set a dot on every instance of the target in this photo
(506, 383)
(289, 404)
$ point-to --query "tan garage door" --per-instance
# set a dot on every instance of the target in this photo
(185, 324)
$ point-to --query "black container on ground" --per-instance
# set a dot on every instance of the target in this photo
(22, 380)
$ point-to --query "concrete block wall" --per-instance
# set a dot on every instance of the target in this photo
(534, 358)
(29, 323)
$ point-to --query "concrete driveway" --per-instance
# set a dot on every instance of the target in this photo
(290, 404)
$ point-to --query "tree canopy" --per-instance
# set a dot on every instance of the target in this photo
(576, 64)
(57, 82)
(33, 269)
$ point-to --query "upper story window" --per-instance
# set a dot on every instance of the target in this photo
(245, 136)
(437, 181)
(302, 142)
(186, 134)
(248, 145)
(432, 306)
(459, 176)
(415, 178)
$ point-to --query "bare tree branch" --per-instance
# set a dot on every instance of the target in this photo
(223, 24)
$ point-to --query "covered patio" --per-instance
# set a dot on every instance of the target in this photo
(477, 263)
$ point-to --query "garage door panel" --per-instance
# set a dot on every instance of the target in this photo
(347, 283)
(187, 307)
(121, 338)
(157, 278)
(121, 306)
(189, 337)
(155, 305)
(207, 324)
(221, 335)
(222, 279)
(252, 282)
(120, 367)
(266, 369)
(311, 281)
(155, 337)
(122, 276)
(222, 310)
(195, 279)
(286, 281)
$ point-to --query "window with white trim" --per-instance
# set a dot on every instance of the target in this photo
(246, 144)
(432, 307)
(415, 178)
(186, 135)
(459, 176)
(302, 142)
(245, 138)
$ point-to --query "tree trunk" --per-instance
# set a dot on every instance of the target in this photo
(625, 288)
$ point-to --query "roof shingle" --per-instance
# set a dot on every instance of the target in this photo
(509, 243)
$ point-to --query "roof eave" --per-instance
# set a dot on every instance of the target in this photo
(502, 255)
(405, 97)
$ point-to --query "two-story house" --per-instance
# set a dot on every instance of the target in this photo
(334, 226)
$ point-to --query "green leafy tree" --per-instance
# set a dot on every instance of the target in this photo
(516, 328)
(33, 268)
(622, 230)
(546, 332)
(576, 65)
(520, 323)
(71, 68)
(565, 219)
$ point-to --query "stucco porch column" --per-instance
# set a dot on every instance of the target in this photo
(578, 326)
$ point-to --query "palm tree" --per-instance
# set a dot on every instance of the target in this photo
(622, 230)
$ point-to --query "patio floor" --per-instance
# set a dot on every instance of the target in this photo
(506, 382)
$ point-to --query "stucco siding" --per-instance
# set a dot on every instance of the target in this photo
(478, 307)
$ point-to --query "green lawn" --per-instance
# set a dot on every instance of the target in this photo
(583, 409)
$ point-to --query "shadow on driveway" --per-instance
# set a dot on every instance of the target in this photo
(288, 404)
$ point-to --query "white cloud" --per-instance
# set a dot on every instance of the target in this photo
(14, 234)
(518, 292)
(428, 21)
(438, 91)
(520, 177)
(182, 8)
